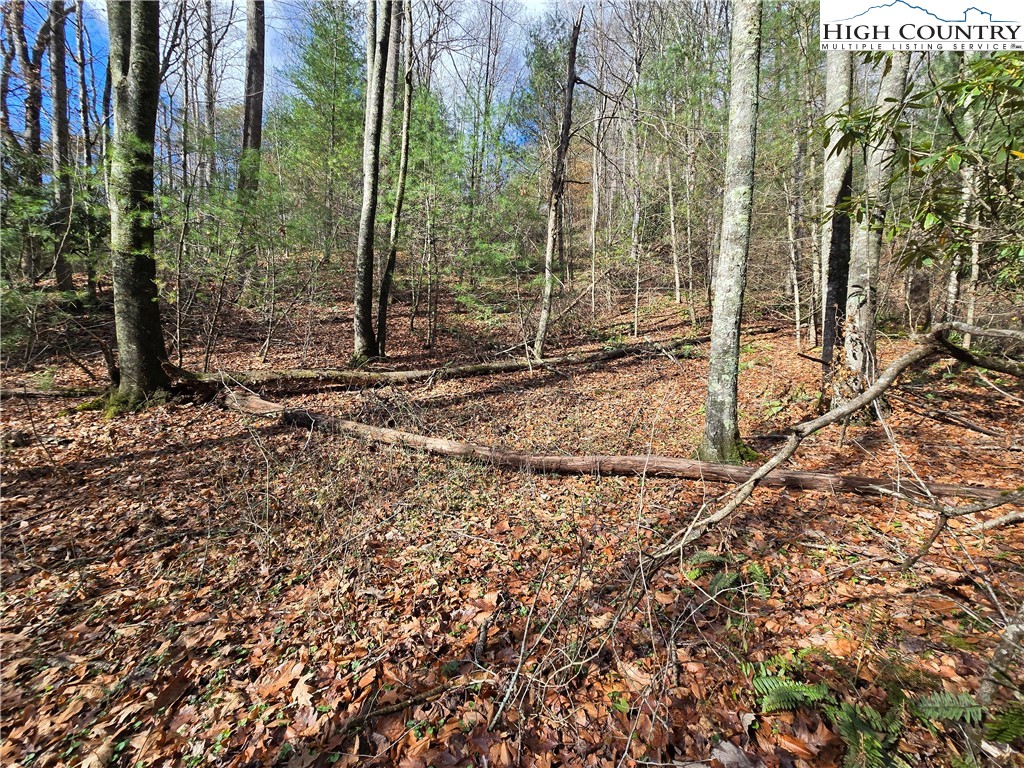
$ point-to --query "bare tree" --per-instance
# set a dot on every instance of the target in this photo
(721, 441)
(60, 145)
(557, 190)
(835, 232)
(862, 285)
(376, 82)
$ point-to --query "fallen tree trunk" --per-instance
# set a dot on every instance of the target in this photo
(55, 392)
(356, 379)
(652, 466)
(359, 378)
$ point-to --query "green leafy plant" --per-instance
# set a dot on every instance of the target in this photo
(777, 692)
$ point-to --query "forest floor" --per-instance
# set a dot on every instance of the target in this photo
(192, 586)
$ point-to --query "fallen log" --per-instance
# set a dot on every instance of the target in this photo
(356, 379)
(652, 466)
(360, 378)
(25, 392)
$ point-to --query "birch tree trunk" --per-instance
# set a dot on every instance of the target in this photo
(721, 441)
(60, 146)
(557, 191)
(135, 76)
(376, 82)
(837, 183)
(862, 284)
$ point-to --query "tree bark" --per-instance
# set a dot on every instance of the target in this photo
(30, 64)
(210, 102)
(557, 191)
(403, 166)
(60, 146)
(135, 69)
(365, 341)
(252, 120)
(721, 440)
(865, 257)
(837, 185)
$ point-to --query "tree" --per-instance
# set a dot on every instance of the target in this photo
(721, 440)
(30, 64)
(60, 144)
(403, 169)
(557, 190)
(836, 189)
(252, 119)
(376, 82)
(135, 77)
(865, 256)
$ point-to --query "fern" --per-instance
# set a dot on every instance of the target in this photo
(1007, 726)
(869, 735)
(722, 581)
(782, 693)
(706, 558)
(960, 707)
(759, 576)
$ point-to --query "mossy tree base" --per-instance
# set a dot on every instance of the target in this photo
(116, 403)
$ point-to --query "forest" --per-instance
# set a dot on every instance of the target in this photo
(509, 383)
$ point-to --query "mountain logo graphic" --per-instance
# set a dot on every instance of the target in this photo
(970, 15)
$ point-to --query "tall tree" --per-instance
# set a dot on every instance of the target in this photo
(252, 119)
(60, 145)
(865, 257)
(721, 440)
(557, 190)
(376, 82)
(403, 169)
(135, 77)
(30, 65)
(835, 233)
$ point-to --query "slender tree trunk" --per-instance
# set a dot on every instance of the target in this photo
(30, 64)
(87, 157)
(135, 75)
(815, 238)
(365, 341)
(721, 441)
(210, 102)
(691, 153)
(862, 284)
(392, 69)
(60, 146)
(557, 191)
(837, 184)
(403, 167)
(252, 119)
(672, 233)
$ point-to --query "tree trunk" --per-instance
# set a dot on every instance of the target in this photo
(87, 157)
(403, 166)
(672, 232)
(557, 190)
(862, 284)
(721, 440)
(60, 146)
(252, 120)
(135, 75)
(376, 83)
(30, 63)
(837, 184)
(210, 102)
(391, 70)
